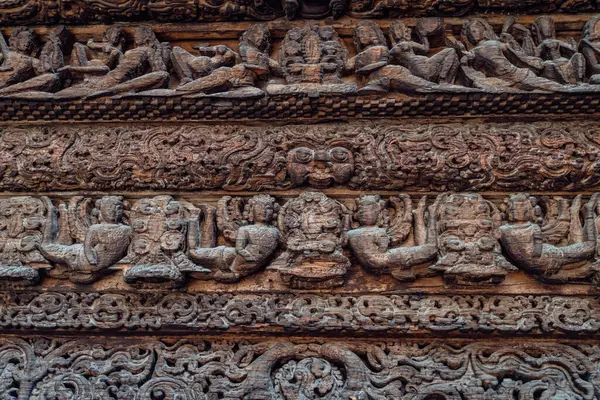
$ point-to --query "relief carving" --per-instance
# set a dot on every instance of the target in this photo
(232, 370)
(256, 239)
(540, 156)
(371, 242)
(101, 238)
(314, 230)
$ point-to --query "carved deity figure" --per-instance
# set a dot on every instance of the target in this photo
(320, 168)
(101, 244)
(372, 63)
(526, 242)
(256, 239)
(312, 54)
(157, 250)
(254, 48)
(21, 71)
(487, 65)
(314, 229)
(371, 242)
(142, 68)
(97, 58)
(562, 62)
(440, 68)
(589, 46)
(21, 228)
(468, 247)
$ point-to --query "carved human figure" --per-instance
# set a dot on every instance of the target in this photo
(255, 240)
(254, 48)
(589, 46)
(157, 250)
(487, 64)
(320, 168)
(21, 71)
(314, 230)
(142, 68)
(371, 242)
(469, 252)
(440, 68)
(312, 54)
(102, 244)
(524, 241)
(21, 226)
(97, 58)
(562, 62)
(373, 67)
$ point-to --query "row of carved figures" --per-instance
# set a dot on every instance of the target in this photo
(464, 237)
(310, 59)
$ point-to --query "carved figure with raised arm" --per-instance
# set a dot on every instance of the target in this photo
(142, 68)
(373, 67)
(256, 239)
(487, 63)
(562, 62)
(100, 244)
(21, 71)
(532, 247)
(371, 242)
(589, 45)
(439, 68)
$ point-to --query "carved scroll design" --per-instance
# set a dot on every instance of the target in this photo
(537, 156)
(189, 370)
(268, 313)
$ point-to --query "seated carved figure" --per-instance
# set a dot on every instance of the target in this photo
(487, 64)
(142, 68)
(525, 243)
(370, 243)
(440, 68)
(372, 63)
(590, 48)
(254, 48)
(101, 246)
(21, 71)
(255, 243)
(562, 62)
(314, 9)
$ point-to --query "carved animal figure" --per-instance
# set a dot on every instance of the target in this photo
(320, 168)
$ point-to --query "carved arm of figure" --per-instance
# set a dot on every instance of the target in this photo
(515, 53)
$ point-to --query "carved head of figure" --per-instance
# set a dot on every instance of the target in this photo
(370, 210)
(367, 34)
(400, 32)
(591, 30)
(543, 28)
(22, 40)
(261, 209)
(257, 36)
(521, 208)
(110, 209)
(320, 168)
(143, 36)
(114, 36)
(477, 30)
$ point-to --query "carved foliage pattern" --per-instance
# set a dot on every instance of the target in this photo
(192, 370)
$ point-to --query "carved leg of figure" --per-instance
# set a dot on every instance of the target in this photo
(396, 77)
(218, 81)
(531, 81)
(153, 80)
(43, 83)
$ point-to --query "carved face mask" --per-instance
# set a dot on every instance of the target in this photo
(320, 168)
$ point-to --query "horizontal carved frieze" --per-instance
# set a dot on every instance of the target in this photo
(90, 11)
(300, 313)
(520, 70)
(556, 156)
(309, 241)
(240, 370)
